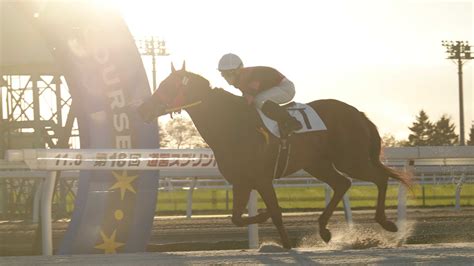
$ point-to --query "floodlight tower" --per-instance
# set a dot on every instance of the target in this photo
(459, 52)
(152, 46)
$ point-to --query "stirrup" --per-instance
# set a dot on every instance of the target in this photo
(285, 132)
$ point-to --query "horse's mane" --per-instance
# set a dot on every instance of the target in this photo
(228, 97)
(228, 112)
(237, 103)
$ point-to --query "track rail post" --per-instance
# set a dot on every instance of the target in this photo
(253, 228)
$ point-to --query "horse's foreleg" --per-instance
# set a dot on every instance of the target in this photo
(269, 197)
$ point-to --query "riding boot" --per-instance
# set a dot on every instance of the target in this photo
(287, 123)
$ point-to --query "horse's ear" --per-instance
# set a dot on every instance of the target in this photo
(172, 68)
(184, 66)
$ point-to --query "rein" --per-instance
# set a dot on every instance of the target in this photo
(182, 107)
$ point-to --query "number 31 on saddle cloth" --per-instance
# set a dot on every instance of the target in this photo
(304, 113)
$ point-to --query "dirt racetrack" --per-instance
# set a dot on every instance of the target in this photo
(440, 254)
(439, 235)
(424, 226)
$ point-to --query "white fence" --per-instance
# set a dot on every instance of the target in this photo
(200, 163)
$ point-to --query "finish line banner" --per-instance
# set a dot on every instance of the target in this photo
(91, 43)
(103, 159)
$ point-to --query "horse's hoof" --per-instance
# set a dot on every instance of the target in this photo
(389, 226)
(237, 222)
(325, 235)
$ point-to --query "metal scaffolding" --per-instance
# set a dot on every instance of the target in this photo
(35, 105)
(35, 110)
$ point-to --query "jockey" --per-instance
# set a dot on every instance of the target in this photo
(263, 87)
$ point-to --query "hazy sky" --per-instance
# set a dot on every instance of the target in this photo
(383, 57)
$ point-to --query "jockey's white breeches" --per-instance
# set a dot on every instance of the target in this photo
(283, 93)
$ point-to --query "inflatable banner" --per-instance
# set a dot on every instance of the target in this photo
(114, 209)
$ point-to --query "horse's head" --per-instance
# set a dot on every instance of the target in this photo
(180, 90)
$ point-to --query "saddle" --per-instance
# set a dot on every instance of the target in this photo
(309, 120)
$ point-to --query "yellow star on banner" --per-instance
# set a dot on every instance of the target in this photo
(109, 245)
(123, 182)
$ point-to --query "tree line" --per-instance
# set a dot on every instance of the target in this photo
(424, 132)
(180, 133)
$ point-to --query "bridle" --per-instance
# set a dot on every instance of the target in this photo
(178, 103)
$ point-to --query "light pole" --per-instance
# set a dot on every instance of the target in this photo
(459, 51)
(152, 46)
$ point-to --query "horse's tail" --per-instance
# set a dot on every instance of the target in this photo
(374, 153)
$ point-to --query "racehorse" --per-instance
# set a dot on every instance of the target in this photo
(246, 156)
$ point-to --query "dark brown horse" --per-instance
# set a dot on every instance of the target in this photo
(246, 158)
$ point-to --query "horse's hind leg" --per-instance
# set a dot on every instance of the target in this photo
(267, 192)
(241, 196)
(325, 171)
(380, 216)
(368, 172)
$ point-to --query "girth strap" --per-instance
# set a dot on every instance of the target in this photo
(281, 162)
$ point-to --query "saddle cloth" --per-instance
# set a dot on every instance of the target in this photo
(304, 113)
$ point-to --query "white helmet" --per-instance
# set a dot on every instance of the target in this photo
(230, 62)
